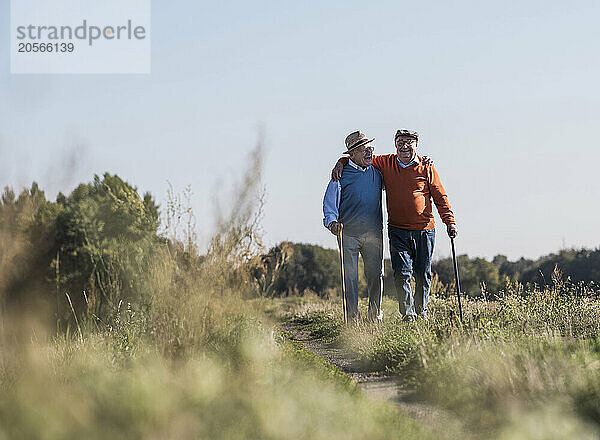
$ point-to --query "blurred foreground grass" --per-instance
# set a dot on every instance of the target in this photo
(194, 362)
(187, 351)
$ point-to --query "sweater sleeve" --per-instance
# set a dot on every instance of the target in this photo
(331, 203)
(440, 198)
(377, 161)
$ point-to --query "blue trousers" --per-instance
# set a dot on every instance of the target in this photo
(411, 253)
(370, 246)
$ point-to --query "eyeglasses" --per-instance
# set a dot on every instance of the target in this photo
(364, 150)
(406, 144)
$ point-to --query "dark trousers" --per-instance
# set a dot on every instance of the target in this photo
(411, 253)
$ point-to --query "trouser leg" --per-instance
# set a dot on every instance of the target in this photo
(402, 254)
(372, 253)
(351, 249)
(422, 270)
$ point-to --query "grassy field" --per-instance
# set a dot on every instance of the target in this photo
(110, 329)
(198, 358)
(527, 366)
(196, 355)
(191, 350)
(194, 363)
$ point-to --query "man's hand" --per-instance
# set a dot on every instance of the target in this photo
(452, 231)
(336, 173)
(334, 227)
(427, 160)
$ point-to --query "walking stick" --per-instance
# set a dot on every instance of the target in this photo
(457, 279)
(341, 247)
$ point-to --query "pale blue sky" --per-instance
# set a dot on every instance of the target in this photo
(504, 94)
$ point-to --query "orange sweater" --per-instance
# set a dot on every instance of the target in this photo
(409, 192)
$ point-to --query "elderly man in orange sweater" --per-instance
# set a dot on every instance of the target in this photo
(410, 184)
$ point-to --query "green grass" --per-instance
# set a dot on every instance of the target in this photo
(507, 371)
(192, 355)
(194, 360)
(166, 344)
(311, 362)
(71, 389)
(321, 325)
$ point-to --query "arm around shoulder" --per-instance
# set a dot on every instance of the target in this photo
(336, 173)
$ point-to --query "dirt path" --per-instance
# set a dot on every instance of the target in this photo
(381, 387)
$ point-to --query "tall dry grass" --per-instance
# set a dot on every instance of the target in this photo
(190, 358)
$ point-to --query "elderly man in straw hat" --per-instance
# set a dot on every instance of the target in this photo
(355, 202)
(411, 182)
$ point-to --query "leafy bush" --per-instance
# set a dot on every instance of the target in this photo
(291, 268)
(93, 246)
(105, 234)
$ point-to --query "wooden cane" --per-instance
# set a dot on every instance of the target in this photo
(341, 247)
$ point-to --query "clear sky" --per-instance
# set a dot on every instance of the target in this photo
(505, 95)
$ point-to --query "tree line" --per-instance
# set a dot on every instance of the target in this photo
(295, 268)
(87, 251)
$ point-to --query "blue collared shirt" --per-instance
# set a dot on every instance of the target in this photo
(331, 201)
(412, 162)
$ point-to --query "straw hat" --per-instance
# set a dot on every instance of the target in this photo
(356, 139)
